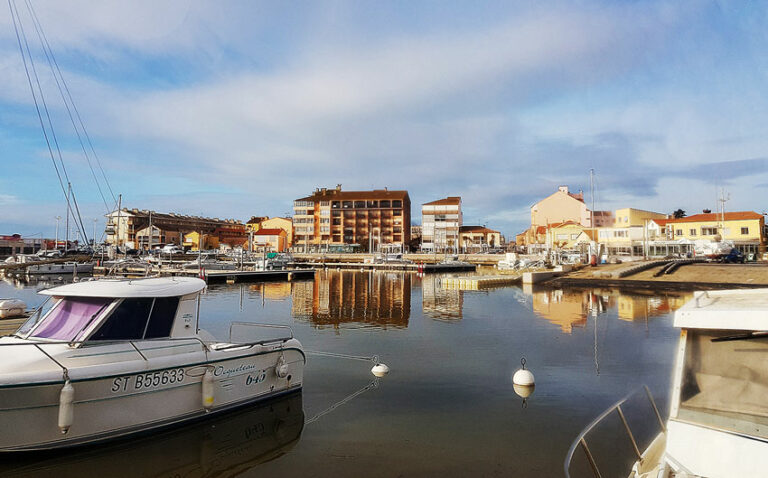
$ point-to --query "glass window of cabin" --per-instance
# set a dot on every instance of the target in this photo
(69, 317)
(127, 322)
(161, 320)
(725, 382)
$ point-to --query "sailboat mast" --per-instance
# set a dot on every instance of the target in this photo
(69, 196)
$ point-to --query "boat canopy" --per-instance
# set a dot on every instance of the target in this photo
(725, 309)
(125, 288)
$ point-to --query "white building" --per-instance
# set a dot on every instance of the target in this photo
(440, 223)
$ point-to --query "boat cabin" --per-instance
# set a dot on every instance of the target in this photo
(117, 310)
(718, 422)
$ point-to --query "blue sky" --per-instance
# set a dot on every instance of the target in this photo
(233, 109)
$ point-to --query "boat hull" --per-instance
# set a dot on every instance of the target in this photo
(114, 406)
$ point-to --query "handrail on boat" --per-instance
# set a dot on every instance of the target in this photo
(267, 326)
(581, 438)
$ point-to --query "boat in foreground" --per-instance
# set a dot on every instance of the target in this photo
(115, 357)
(718, 421)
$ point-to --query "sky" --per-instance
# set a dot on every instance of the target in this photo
(235, 109)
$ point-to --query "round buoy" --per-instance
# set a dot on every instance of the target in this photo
(522, 376)
(380, 370)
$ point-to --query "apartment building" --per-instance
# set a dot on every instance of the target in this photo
(441, 221)
(365, 220)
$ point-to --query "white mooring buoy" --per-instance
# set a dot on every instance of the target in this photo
(523, 377)
(380, 369)
(281, 368)
(66, 407)
(207, 385)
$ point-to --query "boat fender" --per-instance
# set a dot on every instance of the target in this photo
(208, 389)
(66, 407)
(380, 369)
(523, 377)
(281, 368)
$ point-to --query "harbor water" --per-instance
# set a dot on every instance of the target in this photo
(447, 408)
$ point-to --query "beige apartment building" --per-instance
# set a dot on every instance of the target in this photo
(441, 221)
(478, 239)
(356, 220)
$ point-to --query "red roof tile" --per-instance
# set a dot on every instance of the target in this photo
(712, 217)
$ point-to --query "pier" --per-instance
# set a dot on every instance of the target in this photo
(478, 282)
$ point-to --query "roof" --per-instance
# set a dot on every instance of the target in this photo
(269, 232)
(713, 216)
(119, 288)
(449, 201)
(555, 225)
(335, 194)
(725, 309)
(662, 222)
(482, 229)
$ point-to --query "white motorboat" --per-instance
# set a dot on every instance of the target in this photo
(718, 421)
(67, 268)
(115, 357)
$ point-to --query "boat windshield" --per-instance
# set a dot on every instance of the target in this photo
(69, 317)
(725, 381)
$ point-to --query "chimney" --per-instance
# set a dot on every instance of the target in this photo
(338, 187)
(563, 189)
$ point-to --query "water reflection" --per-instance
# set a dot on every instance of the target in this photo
(226, 445)
(439, 303)
(570, 308)
(335, 298)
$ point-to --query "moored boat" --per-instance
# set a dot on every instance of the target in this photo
(718, 420)
(115, 357)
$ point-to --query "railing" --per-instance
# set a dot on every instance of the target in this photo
(235, 343)
(581, 439)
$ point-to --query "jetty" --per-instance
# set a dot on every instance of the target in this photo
(479, 282)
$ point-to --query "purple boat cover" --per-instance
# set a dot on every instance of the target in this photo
(69, 317)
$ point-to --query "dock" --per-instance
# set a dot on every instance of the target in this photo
(388, 266)
(229, 277)
(478, 282)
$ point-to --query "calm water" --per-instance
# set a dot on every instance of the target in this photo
(447, 408)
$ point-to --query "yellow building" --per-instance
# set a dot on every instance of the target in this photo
(284, 223)
(745, 228)
(192, 241)
(269, 240)
(568, 235)
(635, 217)
(478, 238)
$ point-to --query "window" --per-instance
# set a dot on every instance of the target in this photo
(692, 232)
(397, 203)
(127, 322)
(69, 317)
(678, 232)
(708, 231)
(744, 231)
(574, 236)
(161, 320)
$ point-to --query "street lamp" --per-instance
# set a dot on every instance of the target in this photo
(93, 236)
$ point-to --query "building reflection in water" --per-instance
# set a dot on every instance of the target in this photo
(338, 297)
(439, 303)
(272, 290)
(570, 308)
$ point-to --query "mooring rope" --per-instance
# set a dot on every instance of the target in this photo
(373, 358)
(373, 384)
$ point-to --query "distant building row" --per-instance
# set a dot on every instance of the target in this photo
(563, 222)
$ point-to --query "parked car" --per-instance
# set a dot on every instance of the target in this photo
(735, 256)
(172, 249)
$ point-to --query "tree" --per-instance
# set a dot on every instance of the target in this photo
(679, 214)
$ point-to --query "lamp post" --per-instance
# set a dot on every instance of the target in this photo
(93, 235)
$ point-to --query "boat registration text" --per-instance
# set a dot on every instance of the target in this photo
(147, 380)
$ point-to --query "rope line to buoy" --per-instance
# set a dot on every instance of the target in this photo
(373, 358)
(373, 384)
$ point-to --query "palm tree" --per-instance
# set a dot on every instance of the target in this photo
(679, 214)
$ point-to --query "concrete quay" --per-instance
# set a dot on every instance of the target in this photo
(688, 276)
